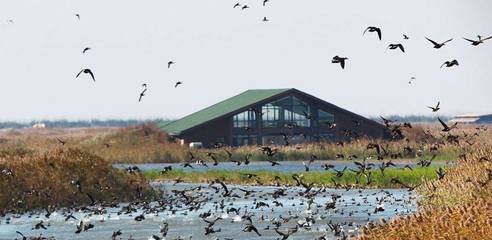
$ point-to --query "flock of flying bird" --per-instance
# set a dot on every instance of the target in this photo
(193, 199)
(393, 46)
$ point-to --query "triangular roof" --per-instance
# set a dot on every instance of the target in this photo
(217, 110)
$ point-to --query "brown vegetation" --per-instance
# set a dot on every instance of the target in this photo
(63, 178)
(458, 206)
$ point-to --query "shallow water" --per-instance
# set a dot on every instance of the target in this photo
(285, 166)
(353, 209)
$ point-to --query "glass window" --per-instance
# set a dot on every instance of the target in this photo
(246, 119)
(286, 111)
(325, 118)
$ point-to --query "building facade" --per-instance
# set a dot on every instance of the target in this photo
(272, 116)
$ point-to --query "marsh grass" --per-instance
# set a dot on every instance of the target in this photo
(412, 178)
(459, 206)
(44, 181)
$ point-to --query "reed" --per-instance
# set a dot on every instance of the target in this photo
(48, 180)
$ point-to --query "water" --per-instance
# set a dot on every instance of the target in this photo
(285, 166)
(353, 209)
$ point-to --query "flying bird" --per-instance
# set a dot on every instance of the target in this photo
(373, 29)
(436, 108)
(479, 41)
(178, 83)
(86, 49)
(244, 7)
(143, 92)
(265, 1)
(237, 5)
(405, 37)
(170, 63)
(78, 16)
(450, 63)
(395, 46)
(341, 60)
(438, 45)
(86, 71)
(447, 128)
(265, 19)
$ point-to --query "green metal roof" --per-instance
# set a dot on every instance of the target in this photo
(220, 109)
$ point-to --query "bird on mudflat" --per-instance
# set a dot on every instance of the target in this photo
(341, 60)
(86, 71)
(479, 41)
(373, 29)
(396, 46)
(450, 63)
(438, 45)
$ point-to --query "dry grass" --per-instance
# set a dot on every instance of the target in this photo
(146, 144)
(459, 206)
(44, 181)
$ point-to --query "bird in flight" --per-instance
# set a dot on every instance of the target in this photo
(78, 16)
(86, 49)
(395, 46)
(244, 7)
(405, 37)
(143, 92)
(446, 128)
(450, 63)
(177, 84)
(438, 45)
(341, 60)
(411, 80)
(373, 29)
(479, 41)
(265, 19)
(436, 108)
(170, 63)
(86, 71)
(237, 5)
(265, 1)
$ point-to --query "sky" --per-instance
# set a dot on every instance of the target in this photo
(221, 51)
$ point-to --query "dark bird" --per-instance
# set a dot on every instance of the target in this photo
(286, 235)
(265, 19)
(440, 173)
(237, 5)
(438, 45)
(265, 1)
(479, 41)
(244, 7)
(446, 128)
(143, 92)
(450, 63)
(61, 141)
(170, 63)
(373, 29)
(177, 84)
(249, 228)
(78, 16)
(395, 46)
(436, 108)
(341, 60)
(405, 37)
(86, 71)
(86, 49)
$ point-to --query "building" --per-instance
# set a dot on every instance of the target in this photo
(473, 118)
(272, 116)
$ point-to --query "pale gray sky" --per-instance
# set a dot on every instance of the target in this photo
(220, 51)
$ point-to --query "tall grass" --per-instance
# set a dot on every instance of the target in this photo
(48, 180)
(459, 206)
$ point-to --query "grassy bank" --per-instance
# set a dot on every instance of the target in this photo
(63, 178)
(146, 144)
(349, 178)
(459, 206)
